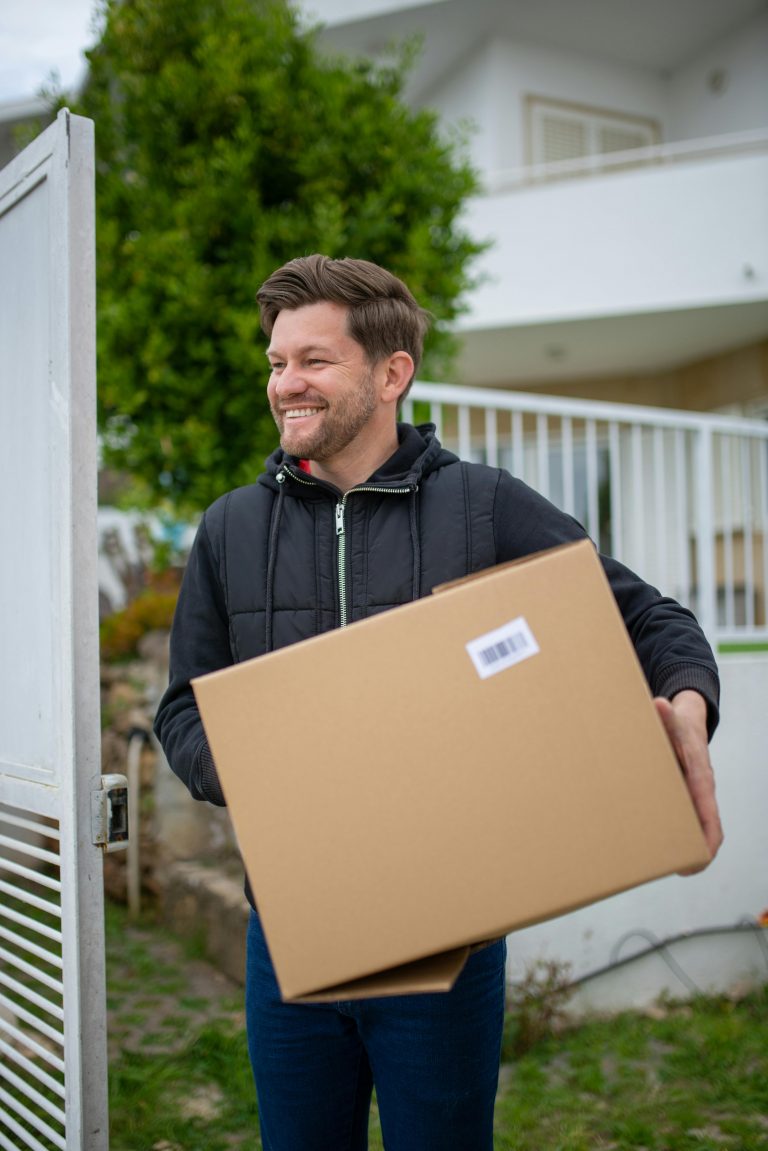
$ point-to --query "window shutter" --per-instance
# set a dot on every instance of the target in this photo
(563, 138)
(559, 132)
(617, 138)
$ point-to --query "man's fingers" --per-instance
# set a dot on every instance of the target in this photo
(689, 742)
(667, 715)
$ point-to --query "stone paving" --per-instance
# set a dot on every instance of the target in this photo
(158, 997)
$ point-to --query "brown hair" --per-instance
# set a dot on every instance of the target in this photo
(383, 316)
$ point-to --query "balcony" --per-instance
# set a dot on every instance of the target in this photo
(680, 497)
(622, 263)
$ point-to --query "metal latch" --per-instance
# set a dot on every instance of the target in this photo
(109, 813)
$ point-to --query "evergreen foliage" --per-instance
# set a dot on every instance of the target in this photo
(226, 145)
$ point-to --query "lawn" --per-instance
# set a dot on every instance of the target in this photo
(692, 1078)
(689, 1077)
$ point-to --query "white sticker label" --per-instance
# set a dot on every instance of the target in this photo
(497, 650)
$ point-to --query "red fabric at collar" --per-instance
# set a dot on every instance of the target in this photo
(304, 465)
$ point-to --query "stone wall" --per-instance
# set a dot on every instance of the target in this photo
(183, 856)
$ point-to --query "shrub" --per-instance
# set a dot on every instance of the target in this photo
(536, 1006)
(120, 633)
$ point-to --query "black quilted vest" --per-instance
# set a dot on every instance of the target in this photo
(296, 558)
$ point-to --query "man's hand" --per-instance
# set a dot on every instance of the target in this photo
(685, 721)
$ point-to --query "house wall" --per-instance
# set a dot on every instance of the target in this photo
(726, 89)
(737, 378)
(507, 71)
(332, 12)
(469, 97)
(527, 69)
(563, 249)
(736, 381)
(720, 92)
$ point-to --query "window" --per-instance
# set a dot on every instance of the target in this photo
(560, 131)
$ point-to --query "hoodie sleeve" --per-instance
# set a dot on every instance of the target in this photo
(199, 644)
(672, 649)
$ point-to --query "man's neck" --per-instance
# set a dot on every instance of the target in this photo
(356, 463)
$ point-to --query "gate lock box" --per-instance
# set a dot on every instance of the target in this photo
(109, 813)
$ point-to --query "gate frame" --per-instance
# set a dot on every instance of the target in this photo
(63, 155)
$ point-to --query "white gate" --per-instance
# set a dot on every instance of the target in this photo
(53, 1069)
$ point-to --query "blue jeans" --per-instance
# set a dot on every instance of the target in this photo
(434, 1060)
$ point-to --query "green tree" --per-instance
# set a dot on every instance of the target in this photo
(226, 145)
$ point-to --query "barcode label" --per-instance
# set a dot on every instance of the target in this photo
(497, 650)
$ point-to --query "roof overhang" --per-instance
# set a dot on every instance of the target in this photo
(608, 346)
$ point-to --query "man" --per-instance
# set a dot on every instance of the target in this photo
(354, 514)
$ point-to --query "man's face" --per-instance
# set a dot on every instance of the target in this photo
(322, 389)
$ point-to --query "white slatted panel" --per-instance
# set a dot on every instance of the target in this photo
(680, 497)
(32, 1084)
(52, 996)
(747, 499)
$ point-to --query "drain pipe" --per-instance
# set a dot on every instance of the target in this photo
(137, 737)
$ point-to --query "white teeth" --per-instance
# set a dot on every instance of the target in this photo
(296, 413)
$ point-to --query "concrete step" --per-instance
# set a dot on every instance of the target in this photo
(208, 907)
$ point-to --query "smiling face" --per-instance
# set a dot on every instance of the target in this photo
(322, 390)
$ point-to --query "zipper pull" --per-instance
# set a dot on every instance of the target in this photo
(340, 518)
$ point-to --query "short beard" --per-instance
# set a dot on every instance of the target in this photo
(341, 423)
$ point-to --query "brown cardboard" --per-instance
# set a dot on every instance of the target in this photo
(391, 805)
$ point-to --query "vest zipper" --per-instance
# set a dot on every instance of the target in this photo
(341, 535)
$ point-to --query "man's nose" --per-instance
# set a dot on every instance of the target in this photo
(290, 381)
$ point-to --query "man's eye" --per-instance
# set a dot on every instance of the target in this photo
(276, 366)
(316, 363)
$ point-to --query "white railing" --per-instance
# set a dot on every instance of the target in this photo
(603, 163)
(681, 497)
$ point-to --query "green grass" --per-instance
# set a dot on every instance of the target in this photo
(739, 647)
(201, 1099)
(196, 1096)
(693, 1079)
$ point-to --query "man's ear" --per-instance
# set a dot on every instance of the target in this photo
(399, 373)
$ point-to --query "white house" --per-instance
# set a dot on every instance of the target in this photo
(623, 155)
(620, 330)
(623, 151)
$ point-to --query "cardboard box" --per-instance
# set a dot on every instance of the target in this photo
(443, 773)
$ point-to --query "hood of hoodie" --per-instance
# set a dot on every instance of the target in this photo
(418, 453)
